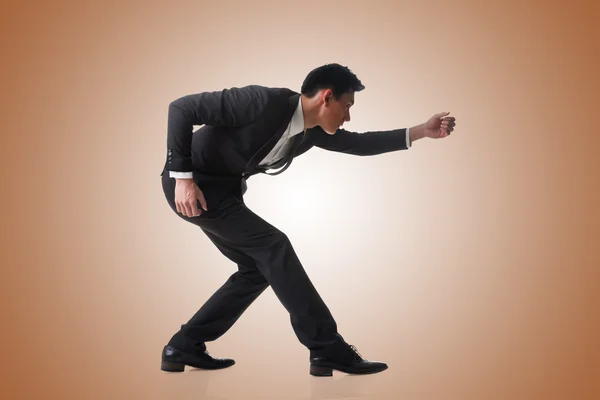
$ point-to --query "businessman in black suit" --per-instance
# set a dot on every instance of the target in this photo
(246, 131)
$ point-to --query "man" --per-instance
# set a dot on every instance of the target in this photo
(248, 131)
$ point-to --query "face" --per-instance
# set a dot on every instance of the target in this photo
(334, 112)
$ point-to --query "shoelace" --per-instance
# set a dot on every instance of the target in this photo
(354, 349)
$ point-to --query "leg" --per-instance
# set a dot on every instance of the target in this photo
(275, 258)
(264, 256)
(226, 305)
(236, 227)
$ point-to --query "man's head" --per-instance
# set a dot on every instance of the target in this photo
(329, 91)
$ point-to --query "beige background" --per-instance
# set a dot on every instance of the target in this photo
(469, 264)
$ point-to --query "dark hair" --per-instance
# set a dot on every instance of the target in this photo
(331, 76)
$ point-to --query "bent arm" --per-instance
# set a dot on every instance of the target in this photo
(228, 107)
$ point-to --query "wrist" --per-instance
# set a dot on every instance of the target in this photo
(416, 132)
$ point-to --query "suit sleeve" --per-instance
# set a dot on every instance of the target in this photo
(229, 107)
(361, 144)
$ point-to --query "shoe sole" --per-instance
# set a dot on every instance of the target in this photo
(169, 366)
(320, 370)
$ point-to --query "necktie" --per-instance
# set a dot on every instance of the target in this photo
(288, 158)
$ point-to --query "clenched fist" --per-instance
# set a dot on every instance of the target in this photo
(439, 126)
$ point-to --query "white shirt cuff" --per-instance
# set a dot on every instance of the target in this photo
(408, 138)
(185, 175)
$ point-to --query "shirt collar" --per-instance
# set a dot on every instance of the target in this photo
(297, 123)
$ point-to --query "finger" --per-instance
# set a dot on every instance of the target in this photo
(202, 201)
(194, 209)
(190, 210)
(449, 119)
(442, 114)
(178, 207)
(187, 210)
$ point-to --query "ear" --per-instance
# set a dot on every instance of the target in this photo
(327, 96)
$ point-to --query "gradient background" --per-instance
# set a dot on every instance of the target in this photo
(470, 264)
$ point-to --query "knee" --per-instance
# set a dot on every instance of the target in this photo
(254, 277)
(278, 238)
(271, 238)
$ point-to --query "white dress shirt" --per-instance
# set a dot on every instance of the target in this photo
(282, 146)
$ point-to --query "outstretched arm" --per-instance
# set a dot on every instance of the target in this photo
(361, 144)
(378, 142)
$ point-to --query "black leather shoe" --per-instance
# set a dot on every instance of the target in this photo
(174, 360)
(346, 360)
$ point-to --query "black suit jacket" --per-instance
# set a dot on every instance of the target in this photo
(241, 126)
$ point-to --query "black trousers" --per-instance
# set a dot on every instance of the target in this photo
(264, 256)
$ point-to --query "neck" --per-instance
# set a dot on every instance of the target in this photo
(310, 111)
